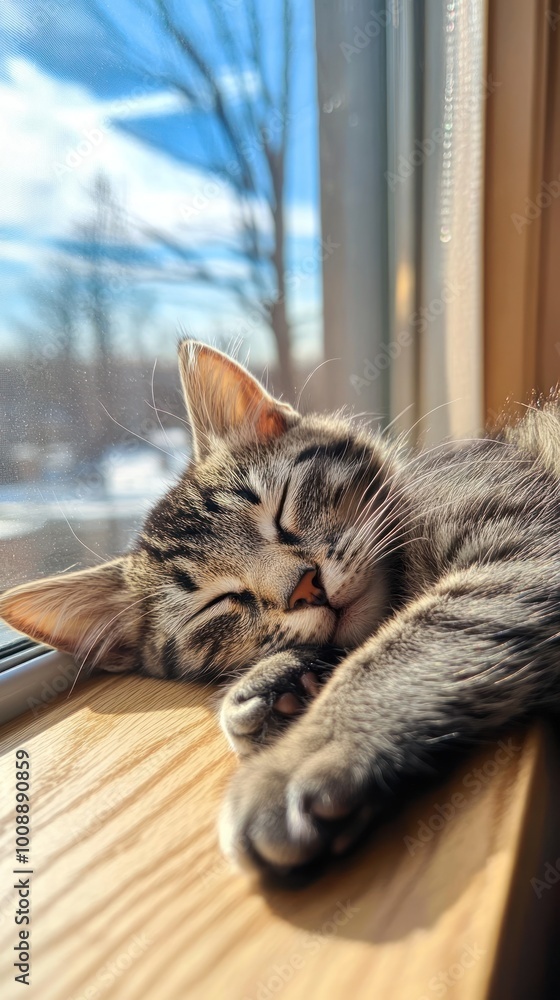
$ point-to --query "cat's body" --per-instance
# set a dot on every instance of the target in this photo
(409, 601)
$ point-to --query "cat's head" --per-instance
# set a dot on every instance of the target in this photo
(272, 537)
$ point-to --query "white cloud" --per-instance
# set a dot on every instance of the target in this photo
(56, 139)
(54, 127)
(143, 105)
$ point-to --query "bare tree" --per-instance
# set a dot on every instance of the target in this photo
(51, 339)
(245, 116)
(99, 235)
(83, 289)
(52, 334)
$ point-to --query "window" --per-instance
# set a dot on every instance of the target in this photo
(368, 185)
(159, 174)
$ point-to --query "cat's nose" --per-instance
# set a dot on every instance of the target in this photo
(309, 592)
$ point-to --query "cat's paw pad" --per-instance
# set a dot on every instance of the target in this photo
(257, 708)
(281, 818)
(303, 687)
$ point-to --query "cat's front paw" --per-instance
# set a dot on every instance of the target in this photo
(296, 808)
(259, 706)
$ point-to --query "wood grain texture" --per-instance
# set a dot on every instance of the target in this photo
(131, 898)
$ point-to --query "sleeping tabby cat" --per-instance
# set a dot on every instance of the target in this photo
(367, 605)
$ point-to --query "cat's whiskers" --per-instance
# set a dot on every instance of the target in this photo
(310, 376)
(376, 556)
(139, 436)
(98, 557)
(405, 490)
(105, 628)
(168, 443)
(374, 520)
(168, 413)
(408, 430)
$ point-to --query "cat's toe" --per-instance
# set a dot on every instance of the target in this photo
(288, 704)
(283, 818)
(344, 841)
(257, 709)
(251, 721)
(243, 719)
(254, 829)
(310, 683)
(305, 688)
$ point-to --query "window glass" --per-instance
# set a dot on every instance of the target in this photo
(159, 176)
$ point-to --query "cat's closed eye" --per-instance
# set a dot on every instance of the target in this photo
(244, 597)
(281, 505)
(268, 495)
(284, 534)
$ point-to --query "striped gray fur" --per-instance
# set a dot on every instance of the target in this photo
(440, 623)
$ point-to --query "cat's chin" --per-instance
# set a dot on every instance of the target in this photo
(357, 621)
(347, 633)
(360, 606)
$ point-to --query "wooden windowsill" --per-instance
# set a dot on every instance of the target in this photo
(131, 897)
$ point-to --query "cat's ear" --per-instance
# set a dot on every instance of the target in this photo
(90, 614)
(221, 397)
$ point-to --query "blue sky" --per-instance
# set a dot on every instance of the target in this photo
(79, 95)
